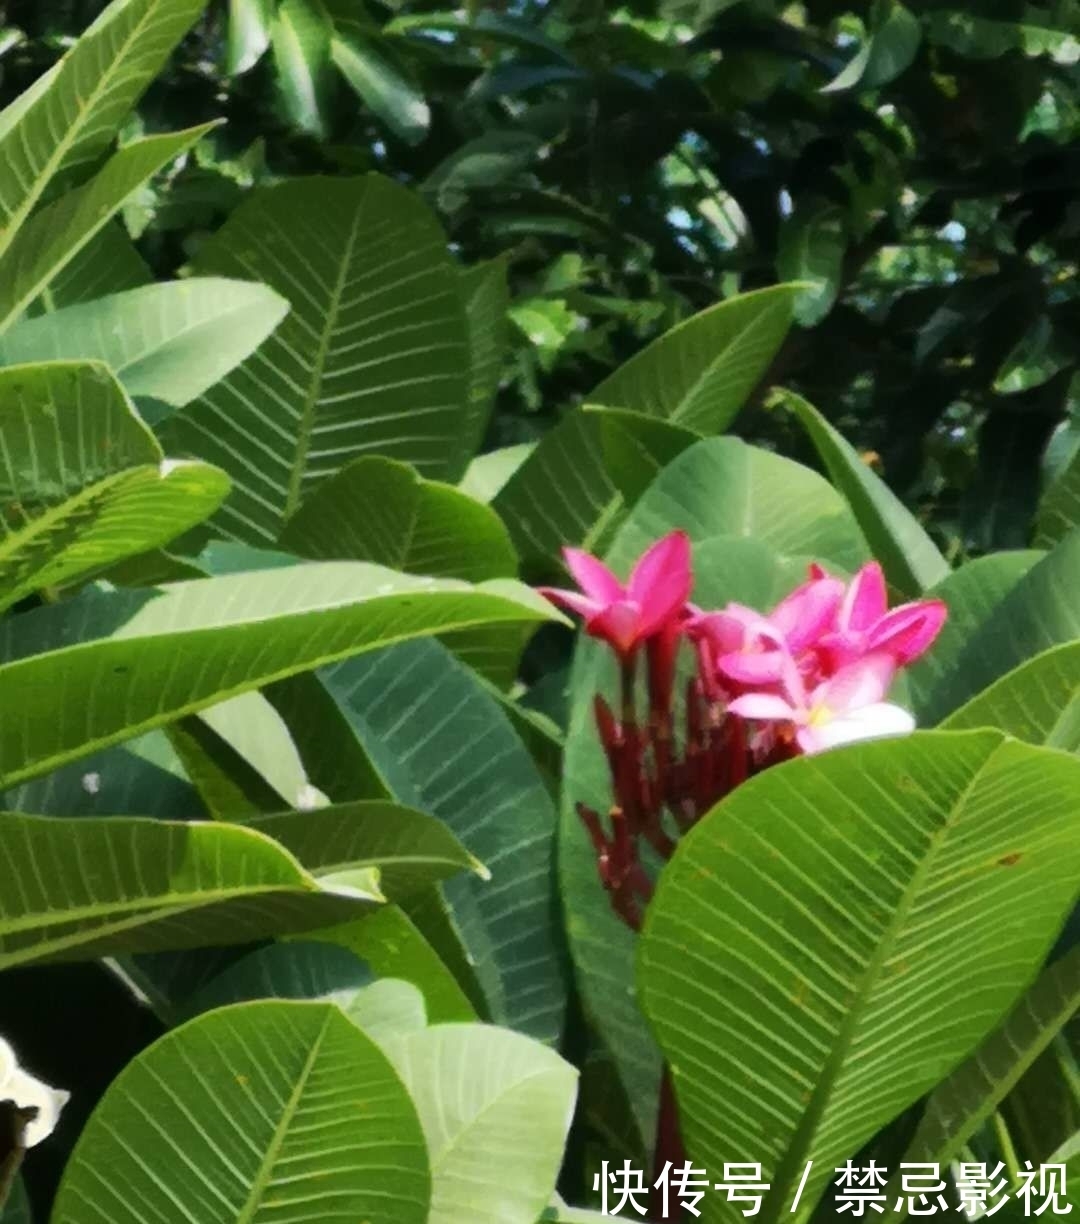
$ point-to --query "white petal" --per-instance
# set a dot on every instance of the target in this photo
(876, 721)
(29, 1093)
(8, 1062)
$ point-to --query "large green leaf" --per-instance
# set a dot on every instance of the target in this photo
(908, 556)
(256, 1113)
(1037, 611)
(75, 889)
(408, 850)
(722, 487)
(69, 121)
(1038, 702)
(443, 745)
(966, 1100)
(249, 34)
(803, 956)
(171, 342)
(51, 239)
(495, 1107)
(697, 375)
(83, 482)
(971, 594)
(373, 356)
(380, 510)
(147, 657)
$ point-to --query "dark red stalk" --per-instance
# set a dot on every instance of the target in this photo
(669, 1148)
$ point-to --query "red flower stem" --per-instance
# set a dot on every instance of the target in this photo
(668, 1149)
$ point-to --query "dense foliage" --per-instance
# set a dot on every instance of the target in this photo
(340, 877)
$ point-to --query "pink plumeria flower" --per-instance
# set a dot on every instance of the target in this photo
(751, 648)
(864, 625)
(847, 707)
(625, 616)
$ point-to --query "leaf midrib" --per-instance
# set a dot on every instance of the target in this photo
(266, 1168)
(311, 399)
(801, 1143)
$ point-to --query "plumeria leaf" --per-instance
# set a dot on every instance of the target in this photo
(805, 928)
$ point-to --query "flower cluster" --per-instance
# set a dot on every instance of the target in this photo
(811, 674)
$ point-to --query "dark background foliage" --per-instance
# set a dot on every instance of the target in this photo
(634, 163)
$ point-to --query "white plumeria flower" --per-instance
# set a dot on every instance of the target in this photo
(26, 1092)
(842, 710)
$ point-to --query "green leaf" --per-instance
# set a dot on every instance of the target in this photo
(1038, 702)
(300, 39)
(249, 34)
(908, 556)
(241, 758)
(285, 1110)
(409, 850)
(637, 447)
(83, 482)
(959, 1106)
(1038, 355)
(390, 943)
(722, 487)
(487, 474)
(109, 263)
(985, 38)
(889, 49)
(1038, 612)
(487, 300)
(495, 1107)
(57, 233)
(697, 375)
(154, 655)
(318, 971)
(170, 341)
(811, 248)
(807, 929)
(81, 888)
(71, 119)
(971, 593)
(381, 510)
(1059, 509)
(370, 68)
(442, 744)
(373, 357)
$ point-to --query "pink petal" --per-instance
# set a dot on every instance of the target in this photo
(809, 740)
(908, 631)
(866, 600)
(619, 623)
(808, 611)
(661, 581)
(571, 599)
(722, 631)
(858, 684)
(593, 576)
(748, 667)
(765, 706)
